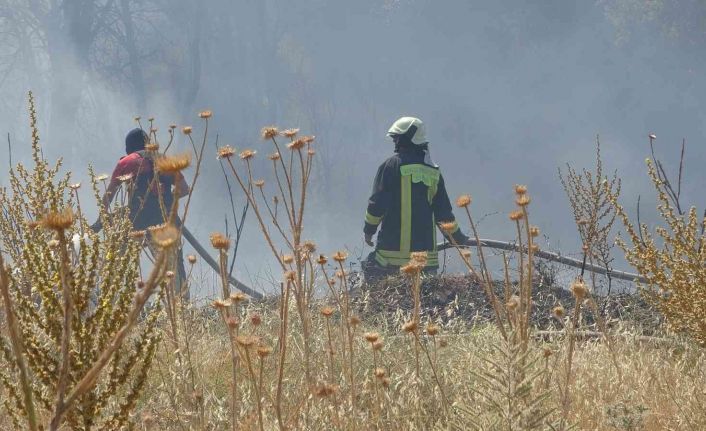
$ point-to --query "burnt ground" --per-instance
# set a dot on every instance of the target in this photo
(461, 296)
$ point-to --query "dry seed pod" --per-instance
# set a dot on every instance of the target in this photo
(264, 351)
(516, 215)
(340, 256)
(410, 327)
(225, 152)
(290, 133)
(463, 201)
(58, 220)
(220, 241)
(371, 337)
(256, 319)
(238, 297)
(579, 289)
(432, 329)
(522, 200)
(172, 164)
(247, 154)
(269, 132)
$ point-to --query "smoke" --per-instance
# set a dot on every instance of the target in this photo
(510, 91)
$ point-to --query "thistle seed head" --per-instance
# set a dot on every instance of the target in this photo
(513, 303)
(290, 133)
(58, 220)
(463, 201)
(225, 152)
(269, 132)
(340, 256)
(220, 241)
(238, 297)
(517, 215)
(172, 164)
(448, 226)
(264, 351)
(579, 289)
(522, 200)
(412, 268)
(247, 154)
(125, 178)
(246, 341)
(165, 236)
(325, 390)
(432, 329)
(371, 337)
(410, 327)
(255, 319)
(297, 144)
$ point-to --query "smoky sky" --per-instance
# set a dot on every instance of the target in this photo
(509, 91)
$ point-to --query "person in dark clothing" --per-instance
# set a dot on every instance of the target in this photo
(408, 202)
(143, 199)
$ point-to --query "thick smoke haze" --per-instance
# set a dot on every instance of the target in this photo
(509, 91)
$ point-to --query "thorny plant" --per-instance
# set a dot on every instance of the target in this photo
(672, 258)
(507, 393)
(72, 305)
(589, 194)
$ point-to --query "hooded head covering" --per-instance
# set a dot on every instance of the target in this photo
(135, 140)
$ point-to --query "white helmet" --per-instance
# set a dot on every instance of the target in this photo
(402, 126)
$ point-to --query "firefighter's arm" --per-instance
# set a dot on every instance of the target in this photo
(377, 203)
(443, 213)
(108, 196)
(181, 187)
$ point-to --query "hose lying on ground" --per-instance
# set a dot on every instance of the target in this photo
(213, 264)
(547, 255)
(489, 243)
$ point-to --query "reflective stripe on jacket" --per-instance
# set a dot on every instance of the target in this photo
(408, 200)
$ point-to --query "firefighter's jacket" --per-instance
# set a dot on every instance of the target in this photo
(408, 201)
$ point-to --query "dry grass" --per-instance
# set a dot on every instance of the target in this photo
(298, 362)
(661, 388)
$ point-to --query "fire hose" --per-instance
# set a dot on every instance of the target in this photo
(213, 264)
(487, 243)
(550, 256)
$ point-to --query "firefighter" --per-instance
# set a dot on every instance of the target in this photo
(408, 201)
(144, 205)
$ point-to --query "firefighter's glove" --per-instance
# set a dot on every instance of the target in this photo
(369, 240)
